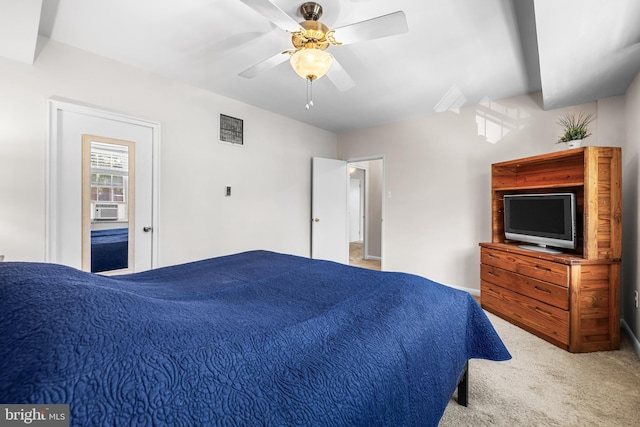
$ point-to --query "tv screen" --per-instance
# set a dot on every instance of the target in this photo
(542, 219)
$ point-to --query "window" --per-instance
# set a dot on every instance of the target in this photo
(109, 171)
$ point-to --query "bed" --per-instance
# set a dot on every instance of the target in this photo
(109, 249)
(255, 338)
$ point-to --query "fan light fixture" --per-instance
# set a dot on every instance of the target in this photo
(311, 38)
(309, 60)
(311, 64)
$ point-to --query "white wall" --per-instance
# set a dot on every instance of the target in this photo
(375, 175)
(630, 209)
(270, 176)
(438, 177)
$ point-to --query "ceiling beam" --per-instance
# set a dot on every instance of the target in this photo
(19, 21)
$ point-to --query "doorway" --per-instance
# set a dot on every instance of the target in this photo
(330, 231)
(68, 123)
(365, 213)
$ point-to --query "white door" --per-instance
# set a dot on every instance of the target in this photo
(64, 200)
(329, 210)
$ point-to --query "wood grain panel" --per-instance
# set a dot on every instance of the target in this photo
(503, 176)
(547, 321)
(558, 296)
(548, 271)
(543, 174)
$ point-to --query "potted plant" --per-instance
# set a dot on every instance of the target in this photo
(575, 128)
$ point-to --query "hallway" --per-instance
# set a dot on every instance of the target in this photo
(356, 257)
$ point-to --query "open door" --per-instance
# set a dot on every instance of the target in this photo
(329, 210)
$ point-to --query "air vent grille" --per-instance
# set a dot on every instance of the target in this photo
(231, 130)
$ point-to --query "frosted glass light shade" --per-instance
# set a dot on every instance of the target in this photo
(311, 64)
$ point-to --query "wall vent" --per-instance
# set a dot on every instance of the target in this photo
(231, 130)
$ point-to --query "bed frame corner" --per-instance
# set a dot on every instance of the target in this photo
(463, 387)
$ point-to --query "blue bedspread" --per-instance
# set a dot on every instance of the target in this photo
(109, 249)
(257, 338)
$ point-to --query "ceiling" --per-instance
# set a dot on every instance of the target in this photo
(456, 52)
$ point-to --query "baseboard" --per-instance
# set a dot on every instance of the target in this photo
(374, 258)
(634, 340)
(474, 292)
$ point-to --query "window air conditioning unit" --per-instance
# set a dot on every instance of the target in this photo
(105, 211)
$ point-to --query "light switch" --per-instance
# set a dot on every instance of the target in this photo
(228, 192)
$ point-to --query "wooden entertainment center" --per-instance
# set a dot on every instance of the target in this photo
(572, 299)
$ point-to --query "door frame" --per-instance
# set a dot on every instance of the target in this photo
(55, 108)
(362, 220)
(383, 203)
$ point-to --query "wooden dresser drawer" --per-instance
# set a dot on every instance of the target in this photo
(542, 319)
(547, 271)
(549, 293)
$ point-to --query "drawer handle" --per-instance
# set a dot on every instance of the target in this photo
(542, 268)
(538, 288)
(541, 311)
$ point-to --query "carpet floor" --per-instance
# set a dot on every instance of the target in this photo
(543, 385)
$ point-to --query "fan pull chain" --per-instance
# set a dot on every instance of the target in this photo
(309, 93)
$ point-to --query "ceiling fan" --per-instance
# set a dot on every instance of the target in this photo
(311, 38)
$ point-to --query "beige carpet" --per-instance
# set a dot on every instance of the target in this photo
(545, 386)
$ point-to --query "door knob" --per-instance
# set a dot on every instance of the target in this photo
(147, 228)
(317, 220)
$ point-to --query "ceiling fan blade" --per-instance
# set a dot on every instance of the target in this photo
(339, 77)
(274, 14)
(265, 65)
(375, 28)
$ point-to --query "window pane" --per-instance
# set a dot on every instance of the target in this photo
(104, 194)
(117, 181)
(104, 179)
(118, 194)
(94, 194)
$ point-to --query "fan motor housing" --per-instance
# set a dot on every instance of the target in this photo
(311, 11)
(313, 36)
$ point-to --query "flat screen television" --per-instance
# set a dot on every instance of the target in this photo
(548, 221)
